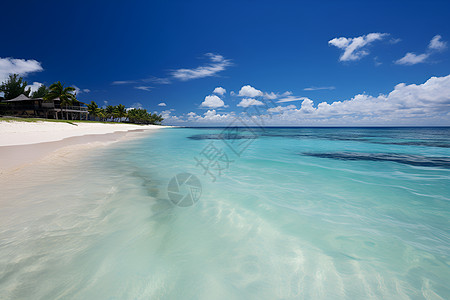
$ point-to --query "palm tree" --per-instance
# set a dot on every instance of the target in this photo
(100, 112)
(121, 111)
(93, 109)
(109, 111)
(65, 94)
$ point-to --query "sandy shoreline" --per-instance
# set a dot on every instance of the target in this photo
(22, 143)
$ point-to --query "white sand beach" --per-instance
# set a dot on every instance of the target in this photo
(24, 142)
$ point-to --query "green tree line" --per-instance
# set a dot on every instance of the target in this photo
(119, 113)
(14, 86)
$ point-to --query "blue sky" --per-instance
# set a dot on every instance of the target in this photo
(143, 53)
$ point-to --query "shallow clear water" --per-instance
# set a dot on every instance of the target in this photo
(309, 213)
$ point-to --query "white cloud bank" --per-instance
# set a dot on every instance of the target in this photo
(162, 104)
(436, 44)
(354, 47)
(18, 66)
(413, 104)
(406, 104)
(218, 63)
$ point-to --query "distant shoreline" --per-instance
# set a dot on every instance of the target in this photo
(22, 143)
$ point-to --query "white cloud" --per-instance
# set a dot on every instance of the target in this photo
(166, 114)
(79, 91)
(279, 109)
(218, 63)
(134, 105)
(353, 47)
(219, 91)
(213, 116)
(318, 88)
(162, 104)
(407, 104)
(437, 44)
(427, 103)
(246, 102)
(157, 80)
(119, 82)
(410, 58)
(192, 115)
(212, 101)
(290, 99)
(143, 88)
(270, 96)
(273, 96)
(210, 116)
(18, 66)
(249, 91)
(34, 87)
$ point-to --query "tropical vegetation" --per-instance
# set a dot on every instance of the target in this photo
(119, 113)
(14, 86)
(66, 96)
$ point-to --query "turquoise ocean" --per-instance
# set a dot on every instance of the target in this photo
(252, 213)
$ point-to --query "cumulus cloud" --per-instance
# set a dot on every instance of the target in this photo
(354, 48)
(143, 88)
(410, 58)
(279, 109)
(246, 102)
(249, 91)
(22, 67)
(211, 116)
(162, 104)
(217, 64)
(219, 91)
(212, 101)
(34, 87)
(406, 104)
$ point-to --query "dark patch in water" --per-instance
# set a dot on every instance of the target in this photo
(413, 160)
(418, 143)
(222, 136)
